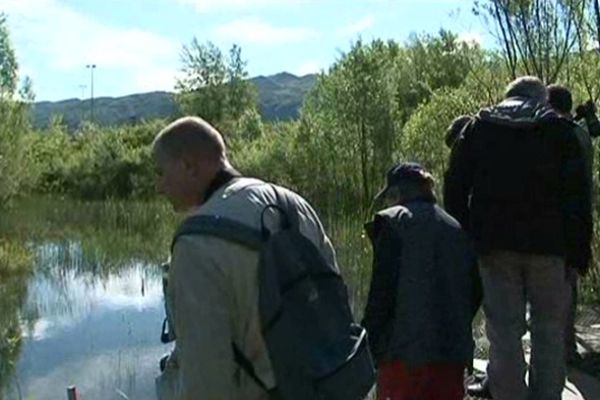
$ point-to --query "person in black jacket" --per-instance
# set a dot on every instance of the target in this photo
(516, 182)
(561, 101)
(480, 383)
(454, 130)
(422, 295)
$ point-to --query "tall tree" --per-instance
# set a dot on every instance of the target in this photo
(430, 62)
(241, 94)
(536, 36)
(584, 70)
(355, 115)
(14, 119)
(214, 86)
(349, 121)
(8, 62)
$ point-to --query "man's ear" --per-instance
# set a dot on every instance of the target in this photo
(190, 164)
(199, 166)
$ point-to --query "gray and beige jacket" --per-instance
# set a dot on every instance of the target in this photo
(213, 293)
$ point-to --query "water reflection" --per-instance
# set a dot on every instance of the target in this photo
(12, 296)
(91, 313)
(100, 335)
(98, 332)
(66, 289)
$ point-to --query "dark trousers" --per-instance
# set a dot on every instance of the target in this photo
(570, 344)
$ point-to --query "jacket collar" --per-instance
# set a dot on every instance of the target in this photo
(518, 112)
(223, 177)
(426, 198)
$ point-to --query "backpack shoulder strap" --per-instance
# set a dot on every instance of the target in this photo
(287, 204)
(224, 228)
(247, 366)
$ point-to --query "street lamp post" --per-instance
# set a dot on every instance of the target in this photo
(82, 87)
(91, 68)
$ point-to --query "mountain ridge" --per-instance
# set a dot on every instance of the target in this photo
(280, 97)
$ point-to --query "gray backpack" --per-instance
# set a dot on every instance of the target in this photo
(316, 349)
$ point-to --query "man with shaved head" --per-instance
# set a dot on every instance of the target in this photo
(212, 287)
(190, 154)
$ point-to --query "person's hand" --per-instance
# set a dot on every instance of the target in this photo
(585, 110)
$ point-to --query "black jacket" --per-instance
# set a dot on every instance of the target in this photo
(424, 289)
(517, 182)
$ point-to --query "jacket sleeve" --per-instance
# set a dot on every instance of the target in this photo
(203, 302)
(458, 180)
(477, 284)
(576, 205)
(382, 292)
(593, 125)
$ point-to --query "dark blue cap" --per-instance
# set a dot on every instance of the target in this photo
(404, 172)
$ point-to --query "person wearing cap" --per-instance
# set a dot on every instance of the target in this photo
(516, 182)
(420, 303)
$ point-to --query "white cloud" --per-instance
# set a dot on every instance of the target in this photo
(357, 27)
(68, 40)
(215, 5)
(254, 31)
(152, 79)
(471, 37)
(89, 295)
(204, 6)
(308, 67)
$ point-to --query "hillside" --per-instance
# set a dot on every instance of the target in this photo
(280, 98)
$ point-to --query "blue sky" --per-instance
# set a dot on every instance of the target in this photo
(136, 43)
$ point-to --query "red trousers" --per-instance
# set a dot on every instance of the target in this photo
(396, 381)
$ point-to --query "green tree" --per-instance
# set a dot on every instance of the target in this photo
(423, 136)
(430, 62)
(15, 269)
(354, 117)
(26, 93)
(241, 94)
(213, 86)
(14, 121)
(536, 36)
(8, 62)
(349, 120)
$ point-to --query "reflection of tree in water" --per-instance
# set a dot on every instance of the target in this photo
(15, 268)
(12, 296)
(78, 247)
(107, 235)
(65, 240)
(79, 244)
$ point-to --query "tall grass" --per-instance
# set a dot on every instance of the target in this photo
(15, 268)
(354, 255)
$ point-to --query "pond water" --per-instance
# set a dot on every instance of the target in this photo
(91, 312)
